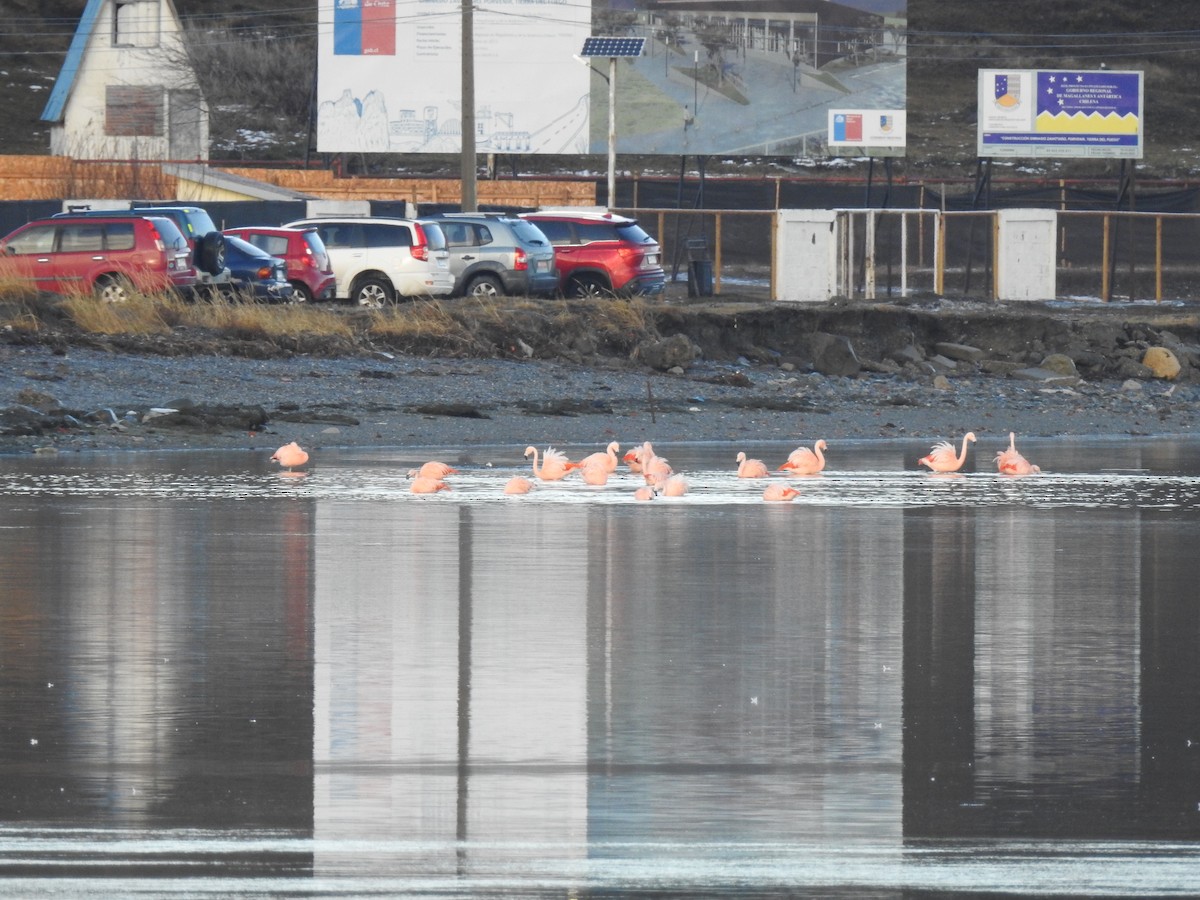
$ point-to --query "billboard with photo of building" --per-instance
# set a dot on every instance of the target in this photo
(746, 77)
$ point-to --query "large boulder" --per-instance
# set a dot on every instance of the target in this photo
(1162, 363)
(834, 355)
(668, 353)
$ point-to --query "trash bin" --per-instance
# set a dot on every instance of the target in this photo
(700, 271)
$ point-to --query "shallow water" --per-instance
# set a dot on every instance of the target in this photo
(222, 680)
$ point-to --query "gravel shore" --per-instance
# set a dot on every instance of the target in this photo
(385, 400)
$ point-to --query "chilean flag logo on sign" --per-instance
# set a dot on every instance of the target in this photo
(847, 127)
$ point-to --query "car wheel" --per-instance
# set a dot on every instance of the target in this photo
(373, 293)
(485, 287)
(301, 293)
(589, 287)
(114, 289)
(210, 253)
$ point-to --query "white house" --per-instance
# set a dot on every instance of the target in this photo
(126, 89)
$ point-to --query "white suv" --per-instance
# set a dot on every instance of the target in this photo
(376, 260)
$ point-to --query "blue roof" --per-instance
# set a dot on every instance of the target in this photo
(70, 67)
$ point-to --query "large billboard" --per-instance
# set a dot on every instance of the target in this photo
(1057, 112)
(747, 77)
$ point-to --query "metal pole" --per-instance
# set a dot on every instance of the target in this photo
(612, 132)
(467, 160)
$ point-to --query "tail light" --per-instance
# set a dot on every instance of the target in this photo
(309, 259)
(264, 273)
(520, 261)
(420, 246)
(630, 254)
(159, 245)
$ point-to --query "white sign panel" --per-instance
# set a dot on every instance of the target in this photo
(390, 76)
(874, 128)
(1060, 112)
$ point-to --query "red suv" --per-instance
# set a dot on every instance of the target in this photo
(308, 266)
(601, 254)
(111, 257)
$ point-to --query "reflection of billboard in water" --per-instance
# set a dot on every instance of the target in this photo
(756, 77)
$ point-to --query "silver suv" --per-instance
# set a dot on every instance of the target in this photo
(376, 260)
(493, 254)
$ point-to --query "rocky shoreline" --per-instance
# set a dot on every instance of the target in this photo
(726, 371)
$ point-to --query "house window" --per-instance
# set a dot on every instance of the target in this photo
(135, 23)
(133, 110)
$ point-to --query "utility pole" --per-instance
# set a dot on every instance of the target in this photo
(467, 163)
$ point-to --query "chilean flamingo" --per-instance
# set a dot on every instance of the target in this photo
(645, 492)
(596, 475)
(1011, 462)
(675, 486)
(518, 484)
(424, 485)
(803, 461)
(750, 468)
(554, 464)
(942, 459)
(432, 469)
(655, 468)
(606, 458)
(290, 455)
(780, 492)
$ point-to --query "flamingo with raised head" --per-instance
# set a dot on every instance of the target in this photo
(518, 484)
(942, 459)
(750, 468)
(432, 469)
(1011, 462)
(607, 458)
(780, 492)
(290, 455)
(554, 464)
(423, 485)
(803, 461)
(655, 468)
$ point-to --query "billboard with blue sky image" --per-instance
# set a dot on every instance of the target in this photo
(746, 77)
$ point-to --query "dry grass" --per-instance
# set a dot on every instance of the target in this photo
(142, 314)
(253, 320)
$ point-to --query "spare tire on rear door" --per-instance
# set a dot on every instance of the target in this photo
(210, 253)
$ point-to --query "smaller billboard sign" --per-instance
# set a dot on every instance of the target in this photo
(1057, 112)
(866, 132)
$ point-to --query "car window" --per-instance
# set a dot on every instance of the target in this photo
(382, 236)
(341, 235)
(633, 233)
(435, 238)
(118, 236)
(276, 245)
(527, 232)
(81, 238)
(483, 235)
(38, 239)
(595, 231)
(558, 232)
(458, 234)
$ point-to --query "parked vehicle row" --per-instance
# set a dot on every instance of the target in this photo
(366, 260)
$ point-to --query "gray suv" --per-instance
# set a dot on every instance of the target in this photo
(492, 254)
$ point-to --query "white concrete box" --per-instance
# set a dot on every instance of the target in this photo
(1025, 254)
(806, 255)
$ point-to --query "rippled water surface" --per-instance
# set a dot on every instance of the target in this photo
(219, 679)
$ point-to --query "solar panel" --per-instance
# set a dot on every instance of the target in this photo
(613, 46)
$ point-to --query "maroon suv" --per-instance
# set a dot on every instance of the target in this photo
(111, 257)
(308, 266)
(601, 254)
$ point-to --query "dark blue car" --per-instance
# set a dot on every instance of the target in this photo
(254, 271)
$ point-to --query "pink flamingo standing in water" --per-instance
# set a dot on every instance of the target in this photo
(290, 455)
(780, 492)
(803, 461)
(750, 468)
(554, 465)
(1011, 462)
(518, 484)
(432, 469)
(942, 459)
